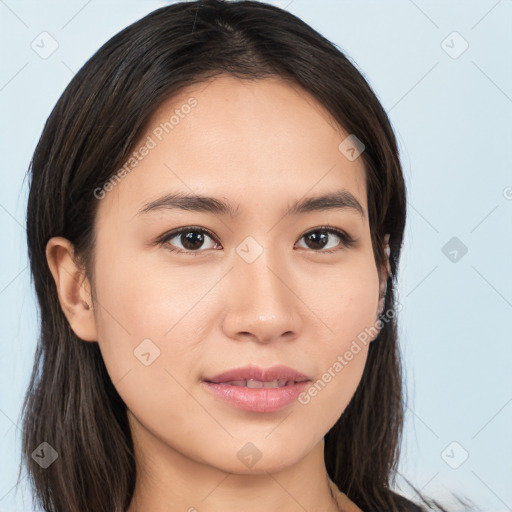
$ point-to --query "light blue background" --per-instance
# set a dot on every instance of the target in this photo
(454, 125)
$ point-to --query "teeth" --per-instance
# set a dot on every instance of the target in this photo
(275, 383)
(235, 383)
(255, 384)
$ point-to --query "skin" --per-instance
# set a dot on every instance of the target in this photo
(260, 145)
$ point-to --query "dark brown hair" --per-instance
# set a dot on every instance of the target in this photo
(71, 402)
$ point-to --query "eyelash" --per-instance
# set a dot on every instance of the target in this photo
(346, 240)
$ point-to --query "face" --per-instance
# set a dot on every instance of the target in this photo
(259, 282)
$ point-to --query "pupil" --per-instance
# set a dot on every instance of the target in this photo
(187, 239)
(321, 240)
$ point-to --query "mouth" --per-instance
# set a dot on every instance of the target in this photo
(258, 384)
(258, 390)
(256, 377)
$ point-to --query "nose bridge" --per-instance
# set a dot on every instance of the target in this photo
(262, 274)
(262, 303)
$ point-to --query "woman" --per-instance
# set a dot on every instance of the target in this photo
(214, 226)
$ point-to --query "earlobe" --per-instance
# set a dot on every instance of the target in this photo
(72, 288)
(387, 251)
(382, 300)
(384, 279)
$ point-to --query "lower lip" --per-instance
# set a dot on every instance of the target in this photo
(257, 399)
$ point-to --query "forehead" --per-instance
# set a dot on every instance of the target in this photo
(260, 142)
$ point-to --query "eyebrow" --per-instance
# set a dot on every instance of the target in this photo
(337, 200)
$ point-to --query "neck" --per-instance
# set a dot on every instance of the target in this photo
(169, 481)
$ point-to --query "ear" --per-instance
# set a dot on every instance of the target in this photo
(73, 288)
(384, 273)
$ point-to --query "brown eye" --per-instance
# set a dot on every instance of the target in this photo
(188, 239)
(322, 238)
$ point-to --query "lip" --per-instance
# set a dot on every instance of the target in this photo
(256, 373)
(262, 400)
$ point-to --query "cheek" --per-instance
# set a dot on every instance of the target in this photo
(140, 300)
(346, 299)
(356, 307)
(138, 313)
(348, 302)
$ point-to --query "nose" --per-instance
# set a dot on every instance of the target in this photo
(263, 303)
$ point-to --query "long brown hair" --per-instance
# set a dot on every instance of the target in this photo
(71, 402)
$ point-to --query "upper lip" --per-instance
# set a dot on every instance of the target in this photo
(261, 374)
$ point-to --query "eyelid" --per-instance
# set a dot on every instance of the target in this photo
(162, 240)
(346, 240)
